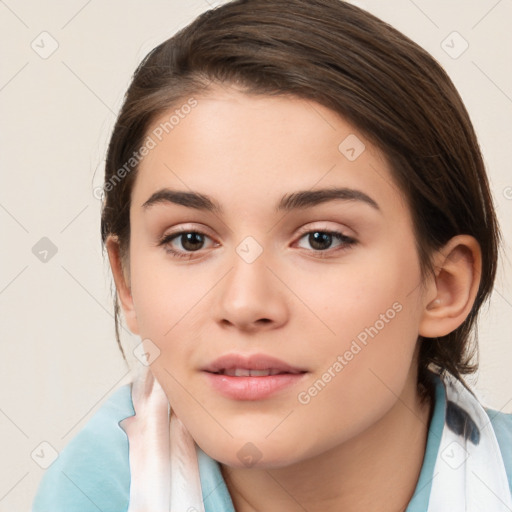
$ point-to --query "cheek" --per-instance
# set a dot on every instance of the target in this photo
(362, 368)
(372, 316)
(171, 305)
(164, 293)
(375, 292)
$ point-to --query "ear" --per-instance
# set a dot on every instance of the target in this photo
(122, 282)
(452, 292)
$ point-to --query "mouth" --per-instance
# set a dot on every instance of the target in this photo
(251, 377)
(251, 365)
(248, 372)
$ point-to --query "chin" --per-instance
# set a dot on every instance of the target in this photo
(253, 454)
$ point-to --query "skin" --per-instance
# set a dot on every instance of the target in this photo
(359, 443)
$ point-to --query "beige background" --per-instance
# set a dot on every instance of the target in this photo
(59, 356)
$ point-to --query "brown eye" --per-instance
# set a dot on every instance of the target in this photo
(190, 241)
(321, 240)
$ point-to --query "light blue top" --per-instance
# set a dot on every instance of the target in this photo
(92, 472)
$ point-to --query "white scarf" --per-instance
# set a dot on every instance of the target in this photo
(163, 459)
(469, 474)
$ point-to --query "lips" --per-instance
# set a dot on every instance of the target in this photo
(254, 365)
(253, 377)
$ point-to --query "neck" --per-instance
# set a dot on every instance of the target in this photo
(376, 471)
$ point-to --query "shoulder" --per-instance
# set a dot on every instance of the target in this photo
(92, 472)
(502, 426)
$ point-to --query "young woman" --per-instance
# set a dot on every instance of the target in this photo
(301, 231)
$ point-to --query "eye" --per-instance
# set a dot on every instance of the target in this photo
(191, 241)
(321, 240)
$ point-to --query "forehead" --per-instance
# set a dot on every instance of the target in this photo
(232, 145)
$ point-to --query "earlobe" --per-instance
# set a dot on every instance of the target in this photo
(121, 279)
(454, 287)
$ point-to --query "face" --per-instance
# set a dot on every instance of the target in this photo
(285, 316)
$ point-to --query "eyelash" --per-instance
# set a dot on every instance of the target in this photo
(347, 242)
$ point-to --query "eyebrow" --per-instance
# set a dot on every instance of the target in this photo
(295, 201)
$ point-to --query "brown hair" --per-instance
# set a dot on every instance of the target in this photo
(348, 60)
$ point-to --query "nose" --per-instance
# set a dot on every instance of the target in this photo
(251, 297)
